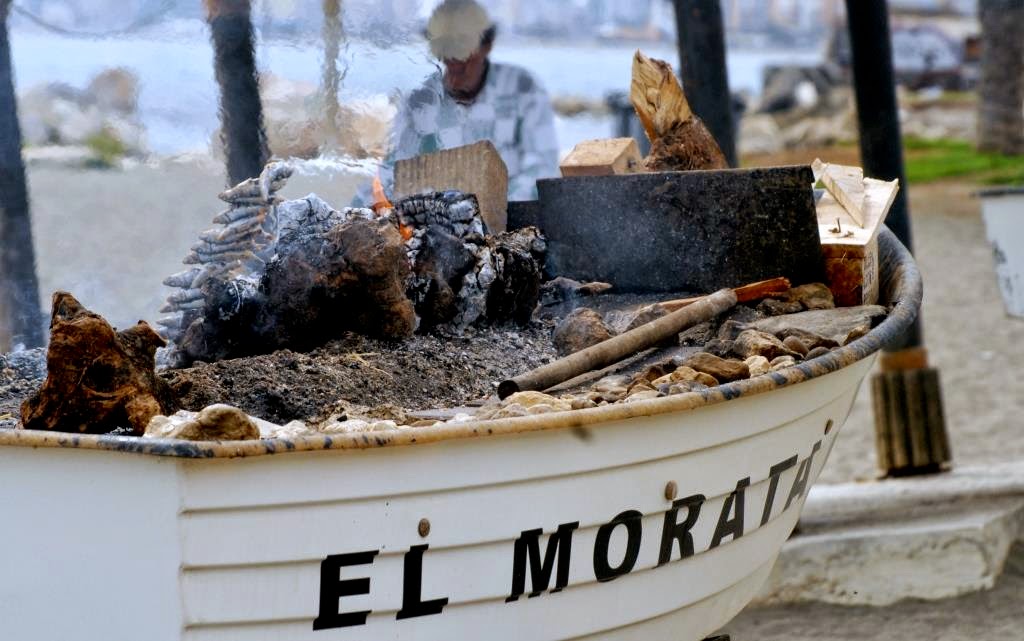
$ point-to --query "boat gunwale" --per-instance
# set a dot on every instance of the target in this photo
(900, 282)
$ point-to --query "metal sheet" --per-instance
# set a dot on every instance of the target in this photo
(680, 231)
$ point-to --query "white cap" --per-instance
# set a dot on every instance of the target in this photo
(455, 29)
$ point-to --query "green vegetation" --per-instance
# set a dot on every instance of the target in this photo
(929, 160)
(106, 148)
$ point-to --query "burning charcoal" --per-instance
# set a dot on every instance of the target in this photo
(758, 365)
(580, 329)
(97, 380)
(518, 265)
(722, 369)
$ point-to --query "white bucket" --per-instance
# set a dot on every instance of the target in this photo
(1003, 212)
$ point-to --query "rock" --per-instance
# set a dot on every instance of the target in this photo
(841, 325)
(532, 399)
(782, 362)
(214, 423)
(581, 329)
(508, 411)
(682, 387)
(292, 429)
(114, 90)
(759, 134)
(98, 380)
(348, 426)
(719, 347)
(757, 343)
(226, 423)
(643, 316)
(614, 381)
(643, 395)
(811, 296)
(685, 374)
(816, 352)
(723, 370)
(698, 334)
(161, 426)
(758, 365)
(772, 307)
(796, 345)
(729, 330)
(811, 340)
(655, 372)
(566, 290)
(582, 403)
(742, 314)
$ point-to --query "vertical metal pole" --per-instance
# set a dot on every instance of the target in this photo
(910, 426)
(874, 85)
(703, 71)
(241, 113)
(331, 81)
(21, 319)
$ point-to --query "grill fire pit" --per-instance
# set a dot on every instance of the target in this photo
(647, 520)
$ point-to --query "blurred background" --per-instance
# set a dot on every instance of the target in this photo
(118, 110)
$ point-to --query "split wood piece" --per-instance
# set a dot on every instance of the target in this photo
(472, 169)
(846, 184)
(745, 294)
(606, 157)
(679, 139)
(617, 348)
(97, 379)
(850, 250)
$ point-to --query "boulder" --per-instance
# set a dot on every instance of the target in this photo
(758, 365)
(581, 329)
(756, 343)
(722, 369)
(841, 325)
(811, 296)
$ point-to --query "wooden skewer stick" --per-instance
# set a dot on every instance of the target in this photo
(619, 347)
(744, 294)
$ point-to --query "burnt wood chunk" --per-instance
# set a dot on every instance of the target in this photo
(98, 380)
(696, 231)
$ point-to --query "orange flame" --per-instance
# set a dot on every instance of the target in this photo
(380, 199)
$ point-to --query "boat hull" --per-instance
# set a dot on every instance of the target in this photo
(269, 547)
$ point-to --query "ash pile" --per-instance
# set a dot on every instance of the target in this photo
(276, 274)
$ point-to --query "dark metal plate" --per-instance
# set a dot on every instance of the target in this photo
(679, 231)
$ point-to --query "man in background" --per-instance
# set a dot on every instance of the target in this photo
(474, 99)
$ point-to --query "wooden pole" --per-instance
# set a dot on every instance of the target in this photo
(21, 319)
(241, 112)
(910, 426)
(622, 346)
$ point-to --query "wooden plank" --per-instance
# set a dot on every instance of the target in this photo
(474, 169)
(846, 184)
(604, 157)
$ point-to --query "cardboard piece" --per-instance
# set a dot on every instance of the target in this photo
(473, 169)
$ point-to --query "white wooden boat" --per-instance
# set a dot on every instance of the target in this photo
(649, 521)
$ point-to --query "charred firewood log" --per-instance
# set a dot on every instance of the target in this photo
(312, 273)
(97, 380)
